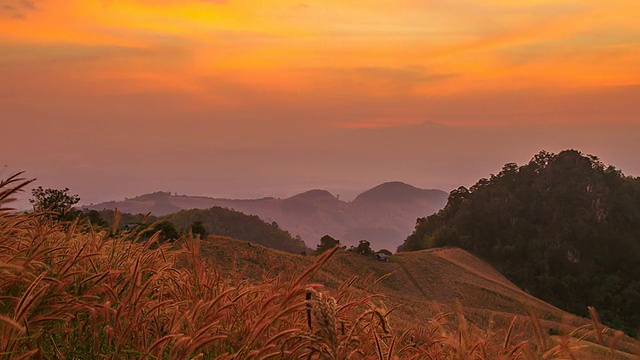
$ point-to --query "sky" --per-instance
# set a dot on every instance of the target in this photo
(242, 99)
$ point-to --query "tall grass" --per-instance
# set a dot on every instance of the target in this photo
(70, 291)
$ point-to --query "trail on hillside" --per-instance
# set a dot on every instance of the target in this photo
(412, 279)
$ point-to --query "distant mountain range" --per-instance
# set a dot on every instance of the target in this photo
(384, 215)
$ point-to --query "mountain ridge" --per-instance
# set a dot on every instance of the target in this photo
(314, 213)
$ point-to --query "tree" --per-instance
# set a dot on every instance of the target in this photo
(364, 248)
(327, 243)
(197, 228)
(56, 201)
(167, 231)
(94, 218)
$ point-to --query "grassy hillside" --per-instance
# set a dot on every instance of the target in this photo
(565, 227)
(71, 291)
(422, 286)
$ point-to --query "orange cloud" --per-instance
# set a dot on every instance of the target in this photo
(406, 53)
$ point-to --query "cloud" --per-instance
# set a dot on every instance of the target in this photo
(179, 2)
(28, 4)
(17, 9)
(66, 53)
(377, 123)
(301, 7)
(412, 74)
(378, 80)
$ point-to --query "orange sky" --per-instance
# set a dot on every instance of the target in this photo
(279, 95)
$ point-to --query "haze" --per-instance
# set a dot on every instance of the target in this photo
(241, 99)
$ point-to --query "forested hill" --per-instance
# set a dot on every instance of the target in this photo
(231, 223)
(565, 227)
(222, 222)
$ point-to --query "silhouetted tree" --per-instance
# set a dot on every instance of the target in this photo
(364, 248)
(327, 243)
(198, 228)
(56, 201)
(94, 218)
(168, 231)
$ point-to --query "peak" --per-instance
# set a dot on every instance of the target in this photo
(314, 194)
(395, 185)
(395, 191)
(156, 196)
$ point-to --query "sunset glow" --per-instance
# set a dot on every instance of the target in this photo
(280, 71)
(390, 47)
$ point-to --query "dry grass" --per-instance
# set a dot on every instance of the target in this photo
(70, 291)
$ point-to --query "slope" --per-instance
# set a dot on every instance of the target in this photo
(227, 222)
(422, 284)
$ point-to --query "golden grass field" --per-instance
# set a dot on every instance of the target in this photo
(423, 285)
(68, 291)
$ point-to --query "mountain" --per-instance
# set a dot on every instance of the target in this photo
(565, 227)
(389, 211)
(394, 192)
(421, 285)
(383, 215)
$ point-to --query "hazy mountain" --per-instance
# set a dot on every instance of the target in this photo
(384, 215)
(395, 192)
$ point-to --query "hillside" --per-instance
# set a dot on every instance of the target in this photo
(217, 221)
(383, 215)
(226, 222)
(423, 284)
(565, 227)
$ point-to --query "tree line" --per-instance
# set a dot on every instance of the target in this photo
(565, 227)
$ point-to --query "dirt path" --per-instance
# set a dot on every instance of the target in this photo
(411, 278)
